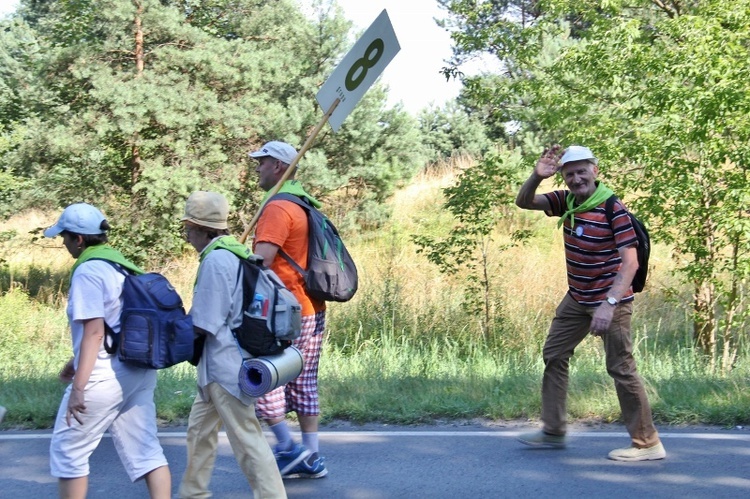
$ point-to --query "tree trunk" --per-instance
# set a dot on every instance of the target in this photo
(729, 342)
(136, 166)
(705, 327)
(704, 322)
(486, 290)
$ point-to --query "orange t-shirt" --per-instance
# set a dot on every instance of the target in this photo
(284, 224)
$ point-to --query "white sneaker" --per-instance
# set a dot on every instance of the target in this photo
(652, 453)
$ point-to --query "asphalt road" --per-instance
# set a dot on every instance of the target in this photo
(447, 461)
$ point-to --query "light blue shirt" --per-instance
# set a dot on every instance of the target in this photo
(217, 308)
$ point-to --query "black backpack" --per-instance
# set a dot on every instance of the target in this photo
(644, 244)
(331, 274)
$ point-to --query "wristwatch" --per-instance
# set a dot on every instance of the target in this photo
(612, 301)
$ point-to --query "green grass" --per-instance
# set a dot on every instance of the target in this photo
(399, 376)
(395, 381)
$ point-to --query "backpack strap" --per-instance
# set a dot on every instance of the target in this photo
(609, 208)
(240, 281)
(246, 298)
(116, 266)
(294, 264)
(240, 274)
(305, 206)
(111, 339)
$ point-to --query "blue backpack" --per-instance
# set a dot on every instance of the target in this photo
(155, 332)
(331, 274)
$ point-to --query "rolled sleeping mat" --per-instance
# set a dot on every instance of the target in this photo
(260, 375)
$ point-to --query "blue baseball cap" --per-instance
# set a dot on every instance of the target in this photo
(79, 218)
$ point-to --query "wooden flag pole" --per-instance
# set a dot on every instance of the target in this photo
(290, 169)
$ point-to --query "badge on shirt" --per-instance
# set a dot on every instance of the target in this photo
(579, 230)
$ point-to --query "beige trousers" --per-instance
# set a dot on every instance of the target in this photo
(250, 447)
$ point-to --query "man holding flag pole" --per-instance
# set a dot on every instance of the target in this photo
(282, 227)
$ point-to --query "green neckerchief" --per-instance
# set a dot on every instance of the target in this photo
(599, 196)
(227, 243)
(105, 252)
(294, 187)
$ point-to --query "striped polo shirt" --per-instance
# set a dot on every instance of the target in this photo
(591, 248)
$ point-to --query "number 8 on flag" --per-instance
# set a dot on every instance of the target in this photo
(359, 69)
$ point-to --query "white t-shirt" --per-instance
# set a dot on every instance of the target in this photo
(217, 308)
(95, 291)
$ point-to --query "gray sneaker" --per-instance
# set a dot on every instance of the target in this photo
(542, 440)
(652, 453)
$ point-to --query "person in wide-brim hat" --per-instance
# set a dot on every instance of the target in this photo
(217, 308)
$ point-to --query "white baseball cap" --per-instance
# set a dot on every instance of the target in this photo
(578, 153)
(278, 150)
(79, 218)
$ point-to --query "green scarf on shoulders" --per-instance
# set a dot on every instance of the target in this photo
(600, 195)
(105, 252)
(227, 243)
(294, 187)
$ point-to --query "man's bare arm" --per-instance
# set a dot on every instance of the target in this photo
(267, 251)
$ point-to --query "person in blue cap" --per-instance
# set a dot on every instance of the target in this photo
(601, 261)
(104, 393)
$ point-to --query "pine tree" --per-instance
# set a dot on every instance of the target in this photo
(136, 103)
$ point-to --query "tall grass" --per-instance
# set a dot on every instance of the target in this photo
(403, 350)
